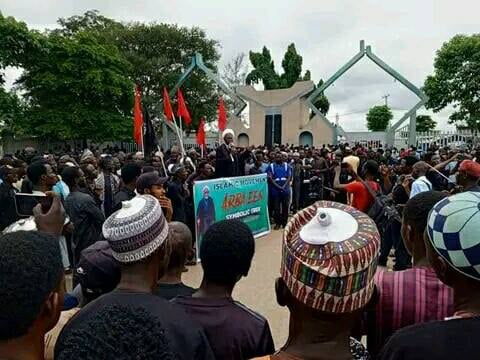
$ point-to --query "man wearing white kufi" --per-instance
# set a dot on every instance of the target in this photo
(226, 157)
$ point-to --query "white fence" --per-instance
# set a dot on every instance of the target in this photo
(452, 138)
(374, 139)
(371, 139)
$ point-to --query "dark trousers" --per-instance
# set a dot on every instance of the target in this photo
(280, 208)
(297, 188)
(393, 239)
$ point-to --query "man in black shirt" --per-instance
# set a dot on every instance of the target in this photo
(177, 192)
(452, 244)
(138, 234)
(393, 236)
(226, 164)
(8, 212)
(130, 174)
(171, 285)
(84, 214)
(234, 331)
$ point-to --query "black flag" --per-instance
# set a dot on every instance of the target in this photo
(150, 142)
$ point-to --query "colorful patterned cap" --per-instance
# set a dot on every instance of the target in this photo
(330, 254)
(136, 230)
(453, 229)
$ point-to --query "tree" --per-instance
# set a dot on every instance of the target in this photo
(11, 111)
(74, 87)
(378, 118)
(264, 69)
(78, 89)
(456, 81)
(91, 20)
(425, 123)
(158, 55)
(19, 44)
(292, 67)
(321, 102)
(235, 71)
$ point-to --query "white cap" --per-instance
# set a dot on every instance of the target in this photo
(226, 132)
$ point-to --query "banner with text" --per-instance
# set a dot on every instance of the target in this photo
(244, 198)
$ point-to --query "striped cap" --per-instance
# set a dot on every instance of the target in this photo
(330, 254)
(136, 230)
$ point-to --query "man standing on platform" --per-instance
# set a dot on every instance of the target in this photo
(226, 164)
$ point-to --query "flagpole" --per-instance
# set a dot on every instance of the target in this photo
(161, 158)
(143, 140)
(181, 132)
(178, 133)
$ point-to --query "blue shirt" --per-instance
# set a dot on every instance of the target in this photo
(61, 189)
(279, 173)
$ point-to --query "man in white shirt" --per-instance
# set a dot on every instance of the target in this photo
(421, 183)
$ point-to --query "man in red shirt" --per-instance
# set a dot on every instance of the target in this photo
(361, 197)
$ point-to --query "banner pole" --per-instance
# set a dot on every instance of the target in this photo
(178, 133)
(163, 162)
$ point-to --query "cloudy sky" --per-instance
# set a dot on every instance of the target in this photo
(405, 34)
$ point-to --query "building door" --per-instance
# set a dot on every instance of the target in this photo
(305, 138)
(273, 129)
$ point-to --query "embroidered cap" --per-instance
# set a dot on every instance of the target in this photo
(453, 228)
(136, 230)
(330, 254)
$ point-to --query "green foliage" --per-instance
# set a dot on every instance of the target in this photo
(11, 111)
(378, 118)
(264, 69)
(91, 20)
(77, 89)
(292, 67)
(158, 55)
(456, 80)
(73, 86)
(78, 79)
(321, 102)
(425, 123)
(19, 44)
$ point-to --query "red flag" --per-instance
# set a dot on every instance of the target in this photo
(222, 115)
(201, 132)
(182, 110)
(137, 116)
(167, 107)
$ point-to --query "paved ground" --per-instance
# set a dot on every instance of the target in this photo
(257, 290)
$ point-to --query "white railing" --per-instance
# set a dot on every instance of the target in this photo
(372, 139)
(442, 138)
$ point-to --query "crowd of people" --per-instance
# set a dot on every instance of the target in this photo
(399, 283)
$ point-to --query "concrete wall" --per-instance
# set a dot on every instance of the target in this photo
(291, 103)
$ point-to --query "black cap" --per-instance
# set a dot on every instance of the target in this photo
(147, 180)
(98, 272)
